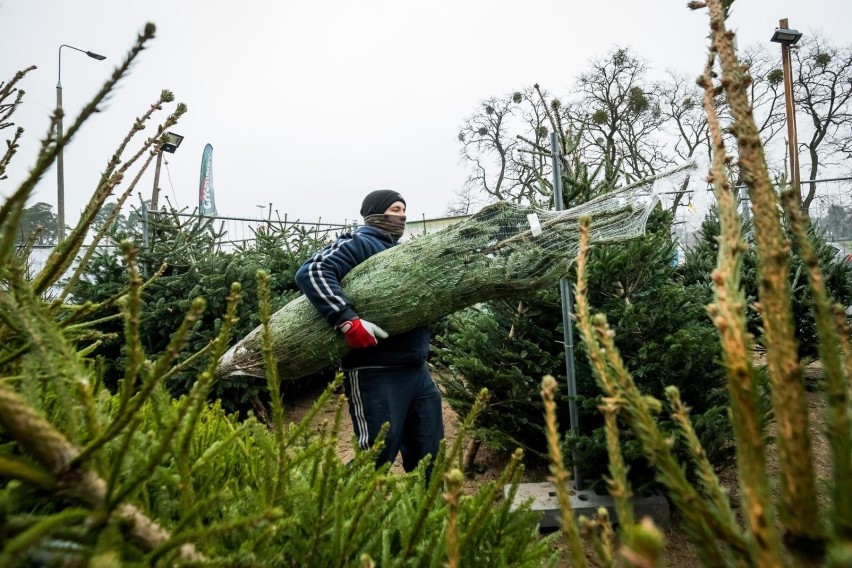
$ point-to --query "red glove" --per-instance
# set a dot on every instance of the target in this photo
(360, 333)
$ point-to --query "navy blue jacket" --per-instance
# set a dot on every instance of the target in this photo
(319, 280)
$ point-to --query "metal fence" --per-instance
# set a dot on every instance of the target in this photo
(830, 210)
(231, 233)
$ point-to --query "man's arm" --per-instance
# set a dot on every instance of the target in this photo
(319, 280)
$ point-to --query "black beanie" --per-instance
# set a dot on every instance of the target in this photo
(377, 202)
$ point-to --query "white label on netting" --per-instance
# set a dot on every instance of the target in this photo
(535, 225)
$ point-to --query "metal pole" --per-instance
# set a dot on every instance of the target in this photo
(60, 163)
(146, 242)
(790, 105)
(156, 191)
(60, 143)
(567, 322)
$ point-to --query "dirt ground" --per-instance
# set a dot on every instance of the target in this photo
(679, 551)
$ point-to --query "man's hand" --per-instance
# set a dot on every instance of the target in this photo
(360, 333)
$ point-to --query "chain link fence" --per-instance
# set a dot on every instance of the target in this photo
(229, 234)
(830, 211)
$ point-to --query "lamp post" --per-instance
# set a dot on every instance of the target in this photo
(787, 38)
(60, 163)
(171, 141)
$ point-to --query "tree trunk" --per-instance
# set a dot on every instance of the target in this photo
(470, 453)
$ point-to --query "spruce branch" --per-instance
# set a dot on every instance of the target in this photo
(616, 381)
(47, 445)
(214, 450)
(86, 398)
(647, 546)
(728, 313)
(490, 496)
(842, 323)
(6, 111)
(184, 539)
(121, 455)
(7, 89)
(713, 490)
(442, 463)
(800, 512)
(129, 408)
(701, 522)
(24, 471)
(198, 395)
(83, 264)
(184, 414)
(131, 311)
(14, 549)
(559, 476)
(361, 514)
(50, 351)
(455, 452)
(836, 381)
(453, 480)
(599, 533)
(272, 380)
(63, 255)
(12, 209)
(617, 483)
(11, 149)
(89, 308)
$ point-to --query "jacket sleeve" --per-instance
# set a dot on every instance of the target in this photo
(319, 278)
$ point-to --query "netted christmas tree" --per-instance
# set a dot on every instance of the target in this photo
(497, 253)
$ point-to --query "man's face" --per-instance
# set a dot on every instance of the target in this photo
(396, 208)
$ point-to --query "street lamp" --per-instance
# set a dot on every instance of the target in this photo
(787, 37)
(60, 164)
(171, 141)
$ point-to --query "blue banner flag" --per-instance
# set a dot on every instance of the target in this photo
(206, 199)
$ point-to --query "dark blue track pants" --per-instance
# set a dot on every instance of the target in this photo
(405, 397)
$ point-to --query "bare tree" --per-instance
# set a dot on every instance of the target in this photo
(530, 166)
(487, 144)
(507, 149)
(467, 201)
(765, 92)
(618, 109)
(685, 119)
(823, 89)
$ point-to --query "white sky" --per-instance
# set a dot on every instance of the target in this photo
(311, 104)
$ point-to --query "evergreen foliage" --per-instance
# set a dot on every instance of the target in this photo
(92, 477)
(503, 346)
(663, 333)
(223, 490)
(783, 528)
(191, 265)
(701, 259)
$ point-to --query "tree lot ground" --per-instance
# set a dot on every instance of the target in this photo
(489, 464)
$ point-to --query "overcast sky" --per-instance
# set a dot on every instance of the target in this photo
(311, 104)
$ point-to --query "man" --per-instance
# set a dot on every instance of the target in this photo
(386, 378)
